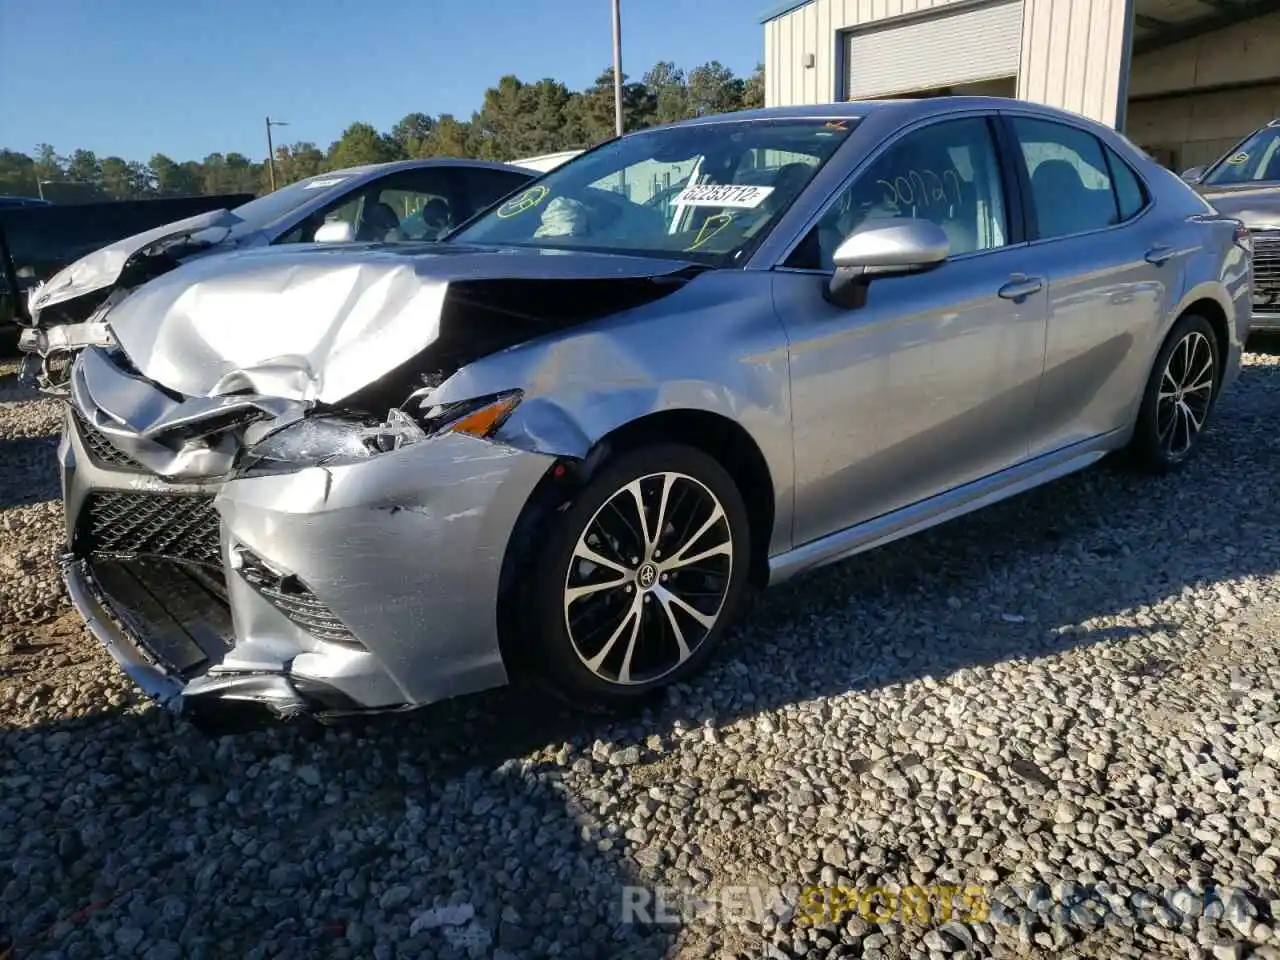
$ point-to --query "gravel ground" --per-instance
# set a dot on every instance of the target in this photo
(1075, 691)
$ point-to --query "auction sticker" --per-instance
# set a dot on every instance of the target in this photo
(742, 196)
(323, 182)
(522, 202)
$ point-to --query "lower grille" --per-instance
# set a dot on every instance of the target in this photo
(1266, 271)
(176, 611)
(178, 527)
(100, 449)
(295, 600)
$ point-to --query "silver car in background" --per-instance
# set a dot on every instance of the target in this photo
(398, 201)
(1245, 183)
(565, 441)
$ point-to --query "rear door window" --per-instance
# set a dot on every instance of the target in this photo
(1071, 184)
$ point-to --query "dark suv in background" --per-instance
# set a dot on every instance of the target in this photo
(38, 238)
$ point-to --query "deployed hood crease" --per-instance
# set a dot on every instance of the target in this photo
(316, 325)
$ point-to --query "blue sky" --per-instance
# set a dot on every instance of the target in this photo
(188, 77)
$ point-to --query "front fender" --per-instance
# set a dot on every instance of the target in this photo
(715, 346)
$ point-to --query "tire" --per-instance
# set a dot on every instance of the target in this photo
(1167, 434)
(595, 650)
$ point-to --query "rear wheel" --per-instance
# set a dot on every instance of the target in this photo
(1179, 396)
(640, 576)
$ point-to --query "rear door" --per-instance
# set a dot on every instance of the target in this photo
(1112, 267)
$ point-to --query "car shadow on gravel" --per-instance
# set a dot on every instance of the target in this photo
(453, 828)
(25, 478)
(132, 834)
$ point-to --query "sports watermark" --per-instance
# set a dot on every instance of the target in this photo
(1080, 906)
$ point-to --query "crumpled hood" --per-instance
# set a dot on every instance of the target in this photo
(314, 323)
(103, 267)
(1258, 206)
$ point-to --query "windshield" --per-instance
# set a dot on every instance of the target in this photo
(707, 192)
(271, 207)
(1258, 158)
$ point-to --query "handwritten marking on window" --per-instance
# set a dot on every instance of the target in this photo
(922, 188)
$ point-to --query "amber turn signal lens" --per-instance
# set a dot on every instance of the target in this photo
(485, 421)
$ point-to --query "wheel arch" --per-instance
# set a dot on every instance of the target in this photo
(719, 436)
(1211, 302)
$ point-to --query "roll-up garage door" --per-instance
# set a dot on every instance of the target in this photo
(977, 43)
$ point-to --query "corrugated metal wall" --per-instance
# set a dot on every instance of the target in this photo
(1072, 50)
(1072, 55)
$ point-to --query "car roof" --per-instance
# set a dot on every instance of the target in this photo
(909, 108)
(395, 166)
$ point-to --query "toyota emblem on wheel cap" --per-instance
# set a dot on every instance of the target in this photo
(646, 576)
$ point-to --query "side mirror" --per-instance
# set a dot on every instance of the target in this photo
(882, 249)
(334, 231)
(1193, 174)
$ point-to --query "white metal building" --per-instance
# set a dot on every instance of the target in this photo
(1185, 79)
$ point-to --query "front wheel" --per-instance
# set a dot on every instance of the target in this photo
(1179, 396)
(640, 575)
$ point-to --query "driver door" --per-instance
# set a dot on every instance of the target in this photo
(931, 384)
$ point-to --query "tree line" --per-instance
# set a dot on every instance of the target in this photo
(516, 120)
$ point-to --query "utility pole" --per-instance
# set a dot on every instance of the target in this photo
(271, 150)
(617, 67)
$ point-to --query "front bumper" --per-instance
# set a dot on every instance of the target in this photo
(364, 587)
(1264, 322)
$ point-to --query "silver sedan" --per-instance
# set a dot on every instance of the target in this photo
(565, 442)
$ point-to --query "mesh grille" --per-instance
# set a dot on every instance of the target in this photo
(1266, 270)
(292, 598)
(100, 449)
(171, 526)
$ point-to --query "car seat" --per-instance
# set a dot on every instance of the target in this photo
(436, 216)
(1064, 205)
(378, 223)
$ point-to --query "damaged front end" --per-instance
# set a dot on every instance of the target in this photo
(69, 311)
(281, 487)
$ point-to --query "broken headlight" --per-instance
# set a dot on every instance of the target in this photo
(336, 440)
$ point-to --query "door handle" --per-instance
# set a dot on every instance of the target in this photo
(1020, 287)
(1159, 254)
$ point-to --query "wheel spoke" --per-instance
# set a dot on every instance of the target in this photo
(632, 616)
(584, 552)
(678, 558)
(624, 672)
(666, 597)
(577, 593)
(637, 499)
(669, 598)
(1203, 379)
(719, 550)
(1190, 414)
(1186, 428)
(668, 481)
